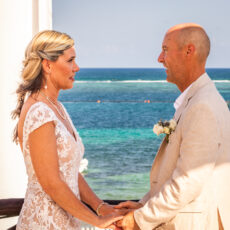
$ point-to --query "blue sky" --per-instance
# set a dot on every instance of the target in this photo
(129, 33)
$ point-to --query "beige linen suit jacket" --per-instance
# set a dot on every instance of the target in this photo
(189, 179)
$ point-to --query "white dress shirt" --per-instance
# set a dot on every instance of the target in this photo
(180, 99)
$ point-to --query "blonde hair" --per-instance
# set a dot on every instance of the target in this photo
(48, 44)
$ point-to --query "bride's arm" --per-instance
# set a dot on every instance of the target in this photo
(90, 198)
(43, 150)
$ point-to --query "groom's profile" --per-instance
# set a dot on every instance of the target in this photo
(189, 179)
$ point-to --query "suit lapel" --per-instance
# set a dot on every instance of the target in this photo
(199, 83)
(156, 163)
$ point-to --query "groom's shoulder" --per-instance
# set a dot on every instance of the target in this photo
(208, 98)
(208, 95)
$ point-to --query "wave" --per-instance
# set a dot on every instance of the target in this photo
(137, 81)
(125, 81)
(221, 81)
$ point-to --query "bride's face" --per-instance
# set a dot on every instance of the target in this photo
(64, 69)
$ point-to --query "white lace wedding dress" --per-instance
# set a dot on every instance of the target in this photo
(39, 211)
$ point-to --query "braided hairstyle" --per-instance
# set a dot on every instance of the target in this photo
(48, 44)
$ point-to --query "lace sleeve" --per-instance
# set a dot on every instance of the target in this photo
(37, 115)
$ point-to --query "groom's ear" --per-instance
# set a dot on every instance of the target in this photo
(190, 49)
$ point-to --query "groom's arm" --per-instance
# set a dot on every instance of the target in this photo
(145, 198)
(198, 153)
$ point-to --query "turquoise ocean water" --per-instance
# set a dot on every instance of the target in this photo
(117, 132)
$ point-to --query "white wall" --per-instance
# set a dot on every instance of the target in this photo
(19, 21)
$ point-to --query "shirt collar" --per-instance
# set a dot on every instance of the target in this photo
(180, 99)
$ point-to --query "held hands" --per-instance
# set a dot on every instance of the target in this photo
(106, 209)
(112, 216)
(128, 222)
(108, 216)
(129, 205)
(109, 221)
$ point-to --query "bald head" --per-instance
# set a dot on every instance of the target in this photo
(190, 33)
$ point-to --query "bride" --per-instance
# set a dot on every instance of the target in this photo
(51, 146)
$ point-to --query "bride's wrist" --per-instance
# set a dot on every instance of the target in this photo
(98, 209)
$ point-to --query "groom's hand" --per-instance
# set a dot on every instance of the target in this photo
(129, 205)
(128, 222)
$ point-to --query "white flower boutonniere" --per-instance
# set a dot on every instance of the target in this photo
(166, 127)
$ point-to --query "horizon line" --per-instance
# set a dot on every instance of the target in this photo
(143, 68)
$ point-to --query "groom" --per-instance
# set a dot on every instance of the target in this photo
(189, 179)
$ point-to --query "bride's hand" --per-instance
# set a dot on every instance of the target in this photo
(109, 221)
(106, 209)
(109, 209)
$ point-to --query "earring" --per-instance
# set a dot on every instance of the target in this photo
(49, 73)
(45, 86)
